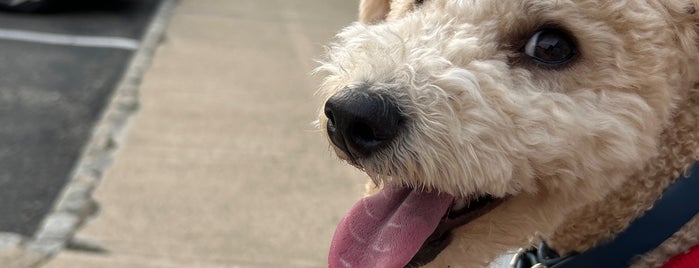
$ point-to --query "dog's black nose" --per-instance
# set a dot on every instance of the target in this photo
(361, 122)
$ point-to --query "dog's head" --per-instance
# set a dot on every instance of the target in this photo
(495, 103)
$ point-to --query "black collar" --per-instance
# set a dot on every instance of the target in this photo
(678, 204)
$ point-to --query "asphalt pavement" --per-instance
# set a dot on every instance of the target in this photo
(58, 69)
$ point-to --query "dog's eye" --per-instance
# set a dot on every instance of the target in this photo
(550, 47)
(418, 3)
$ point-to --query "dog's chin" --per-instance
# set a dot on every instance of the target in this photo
(461, 212)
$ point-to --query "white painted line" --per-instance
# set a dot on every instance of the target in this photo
(69, 40)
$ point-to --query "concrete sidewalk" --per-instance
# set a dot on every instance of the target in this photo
(221, 167)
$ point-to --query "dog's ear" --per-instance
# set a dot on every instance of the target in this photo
(373, 11)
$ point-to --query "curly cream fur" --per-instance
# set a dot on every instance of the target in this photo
(610, 130)
(679, 150)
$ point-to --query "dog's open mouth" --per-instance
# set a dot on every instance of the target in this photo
(402, 227)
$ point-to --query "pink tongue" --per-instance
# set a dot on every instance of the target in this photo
(387, 229)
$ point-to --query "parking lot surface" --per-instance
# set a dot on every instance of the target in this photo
(58, 69)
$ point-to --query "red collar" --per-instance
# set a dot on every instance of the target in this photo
(688, 259)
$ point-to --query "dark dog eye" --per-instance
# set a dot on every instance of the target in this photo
(418, 2)
(550, 47)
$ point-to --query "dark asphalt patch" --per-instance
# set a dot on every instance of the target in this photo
(50, 99)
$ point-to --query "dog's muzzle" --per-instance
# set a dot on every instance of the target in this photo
(361, 122)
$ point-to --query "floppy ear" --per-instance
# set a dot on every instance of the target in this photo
(374, 11)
